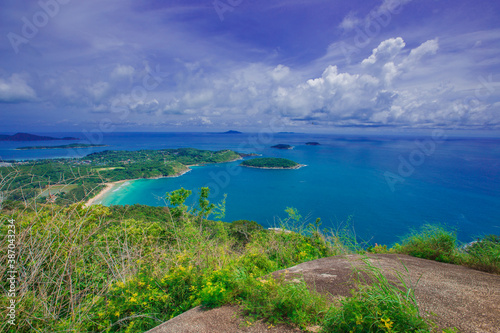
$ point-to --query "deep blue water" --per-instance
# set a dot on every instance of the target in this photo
(385, 185)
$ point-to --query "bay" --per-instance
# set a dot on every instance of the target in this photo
(384, 186)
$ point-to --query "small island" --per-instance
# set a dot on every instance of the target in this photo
(231, 132)
(70, 146)
(312, 144)
(271, 163)
(282, 146)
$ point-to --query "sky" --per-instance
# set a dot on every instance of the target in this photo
(312, 66)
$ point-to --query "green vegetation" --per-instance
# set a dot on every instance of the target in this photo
(434, 242)
(484, 254)
(127, 269)
(70, 146)
(270, 163)
(25, 181)
(130, 268)
(377, 307)
(282, 302)
(431, 242)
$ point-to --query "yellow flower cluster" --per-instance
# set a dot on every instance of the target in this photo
(387, 324)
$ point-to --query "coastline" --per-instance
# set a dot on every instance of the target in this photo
(268, 168)
(110, 186)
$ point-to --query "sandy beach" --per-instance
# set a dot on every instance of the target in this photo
(105, 190)
(110, 186)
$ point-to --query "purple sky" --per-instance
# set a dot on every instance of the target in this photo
(315, 65)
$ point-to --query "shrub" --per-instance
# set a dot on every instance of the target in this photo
(279, 301)
(430, 242)
(378, 307)
(483, 254)
(242, 230)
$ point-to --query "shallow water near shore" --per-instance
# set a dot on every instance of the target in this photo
(385, 185)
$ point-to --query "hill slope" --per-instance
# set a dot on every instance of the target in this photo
(460, 297)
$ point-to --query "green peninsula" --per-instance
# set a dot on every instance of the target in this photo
(66, 181)
(271, 163)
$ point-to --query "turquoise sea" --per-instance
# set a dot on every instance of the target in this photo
(383, 185)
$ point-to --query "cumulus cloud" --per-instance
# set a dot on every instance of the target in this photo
(280, 72)
(15, 89)
(375, 94)
(430, 47)
(386, 51)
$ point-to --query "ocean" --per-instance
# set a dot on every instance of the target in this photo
(381, 187)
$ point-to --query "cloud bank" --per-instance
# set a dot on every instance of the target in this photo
(177, 66)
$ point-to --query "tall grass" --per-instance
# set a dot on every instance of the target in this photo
(127, 269)
(430, 242)
(438, 243)
(377, 306)
(483, 254)
(100, 269)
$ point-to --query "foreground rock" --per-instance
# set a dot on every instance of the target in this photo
(221, 320)
(458, 296)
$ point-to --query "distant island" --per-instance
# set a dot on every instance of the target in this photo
(312, 144)
(31, 137)
(231, 132)
(282, 146)
(70, 146)
(271, 163)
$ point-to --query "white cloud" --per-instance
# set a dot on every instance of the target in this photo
(146, 107)
(386, 51)
(280, 72)
(15, 89)
(349, 22)
(430, 47)
(375, 93)
(122, 71)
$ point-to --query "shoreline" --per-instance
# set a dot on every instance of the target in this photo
(110, 186)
